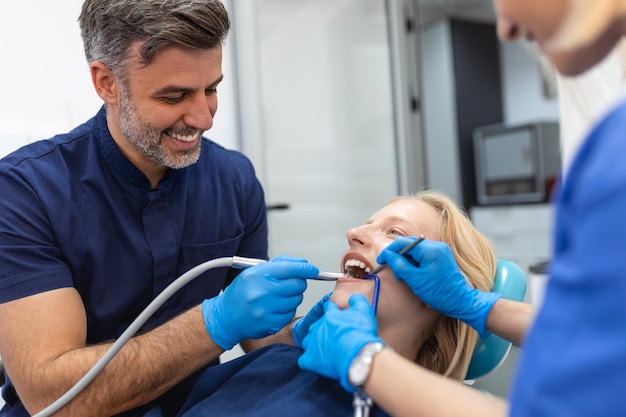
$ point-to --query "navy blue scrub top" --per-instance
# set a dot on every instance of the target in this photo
(76, 213)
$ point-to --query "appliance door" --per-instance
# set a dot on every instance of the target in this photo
(509, 168)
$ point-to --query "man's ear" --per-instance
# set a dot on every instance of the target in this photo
(106, 84)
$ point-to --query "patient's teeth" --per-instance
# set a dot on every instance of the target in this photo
(356, 269)
(356, 263)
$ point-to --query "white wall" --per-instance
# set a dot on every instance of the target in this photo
(523, 86)
(44, 78)
(439, 110)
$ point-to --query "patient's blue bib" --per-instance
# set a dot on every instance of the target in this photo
(268, 382)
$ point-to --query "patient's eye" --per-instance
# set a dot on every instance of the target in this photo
(396, 232)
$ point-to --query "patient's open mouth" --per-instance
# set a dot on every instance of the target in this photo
(356, 269)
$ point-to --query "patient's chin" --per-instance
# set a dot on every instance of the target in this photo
(341, 297)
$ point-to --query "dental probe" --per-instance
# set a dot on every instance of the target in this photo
(240, 262)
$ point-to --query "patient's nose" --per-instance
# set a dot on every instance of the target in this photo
(357, 236)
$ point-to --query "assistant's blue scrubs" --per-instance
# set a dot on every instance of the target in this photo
(574, 359)
(74, 212)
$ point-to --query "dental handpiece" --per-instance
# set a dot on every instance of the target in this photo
(240, 262)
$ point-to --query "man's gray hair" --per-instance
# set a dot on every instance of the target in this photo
(110, 27)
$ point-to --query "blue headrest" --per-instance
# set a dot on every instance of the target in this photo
(491, 351)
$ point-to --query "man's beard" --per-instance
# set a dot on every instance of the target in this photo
(147, 139)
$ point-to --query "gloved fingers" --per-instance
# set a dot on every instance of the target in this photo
(281, 269)
(359, 302)
(361, 314)
(429, 256)
(279, 320)
(398, 263)
(335, 339)
(280, 288)
(314, 358)
(222, 332)
(400, 243)
(315, 335)
(317, 310)
(284, 305)
(330, 307)
(391, 252)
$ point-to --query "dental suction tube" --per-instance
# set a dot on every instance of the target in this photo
(135, 326)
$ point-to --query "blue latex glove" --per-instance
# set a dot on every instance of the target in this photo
(259, 302)
(301, 327)
(434, 276)
(335, 339)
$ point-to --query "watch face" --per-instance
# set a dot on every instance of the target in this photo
(360, 366)
(358, 372)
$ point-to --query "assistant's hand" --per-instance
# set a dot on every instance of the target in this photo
(335, 339)
(301, 327)
(259, 302)
(431, 271)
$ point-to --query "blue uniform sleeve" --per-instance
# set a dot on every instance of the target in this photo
(574, 360)
(31, 260)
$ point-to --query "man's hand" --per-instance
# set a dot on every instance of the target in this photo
(259, 302)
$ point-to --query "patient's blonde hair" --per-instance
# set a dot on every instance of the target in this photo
(449, 349)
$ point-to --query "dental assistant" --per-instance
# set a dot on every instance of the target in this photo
(96, 222)
(574, 358)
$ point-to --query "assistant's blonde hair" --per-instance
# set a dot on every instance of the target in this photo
(449, 349)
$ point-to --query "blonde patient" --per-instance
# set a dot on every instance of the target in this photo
(437, 342)
(273, 383)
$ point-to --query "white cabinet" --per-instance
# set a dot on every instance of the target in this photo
(519, 233)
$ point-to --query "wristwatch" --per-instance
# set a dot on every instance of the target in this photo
(360, 366)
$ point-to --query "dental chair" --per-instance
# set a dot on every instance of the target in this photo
(490, 352)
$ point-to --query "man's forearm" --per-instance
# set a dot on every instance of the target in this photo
(146, 367)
